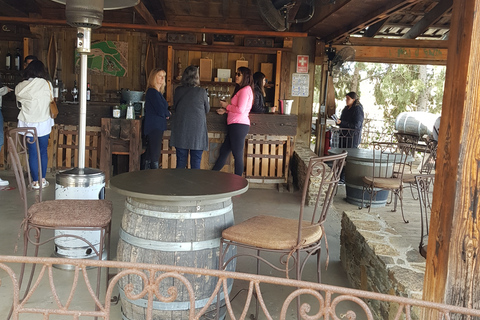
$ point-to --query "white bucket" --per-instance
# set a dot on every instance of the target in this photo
(287, 107)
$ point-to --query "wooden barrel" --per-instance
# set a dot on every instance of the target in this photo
(416, 123)
(355, 170)
(181, 233)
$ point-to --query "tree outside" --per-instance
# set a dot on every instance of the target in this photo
(386, 90)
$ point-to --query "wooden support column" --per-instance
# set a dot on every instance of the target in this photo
(453, 269)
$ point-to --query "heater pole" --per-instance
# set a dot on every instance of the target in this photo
(83, 47)
(83, 111)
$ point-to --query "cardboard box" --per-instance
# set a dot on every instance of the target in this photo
(241, 63)
(267, 70)
(205, 70)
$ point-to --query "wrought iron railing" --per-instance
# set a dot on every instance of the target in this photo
(325, 299)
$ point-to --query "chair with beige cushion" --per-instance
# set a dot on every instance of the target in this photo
(91, 215)
(289, 237)
(388, 167)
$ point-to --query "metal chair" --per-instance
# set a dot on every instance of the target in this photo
(389, 161)
(424, 185)
(427, 164)
(345, 138)
(289, 237)
(20, 137)
(91, 215)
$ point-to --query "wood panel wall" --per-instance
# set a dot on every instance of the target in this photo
(104, 87)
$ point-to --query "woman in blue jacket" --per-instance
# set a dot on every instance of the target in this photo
(156, 115)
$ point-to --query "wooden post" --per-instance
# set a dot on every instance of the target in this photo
(452, 269)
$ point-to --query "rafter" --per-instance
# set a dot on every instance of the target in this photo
(373, 29)
(370, 19)
(431, 17)
(146, 15)
(9, 10)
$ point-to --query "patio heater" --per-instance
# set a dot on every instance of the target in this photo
(81, 182)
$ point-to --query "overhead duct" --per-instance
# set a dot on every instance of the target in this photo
(274, 17)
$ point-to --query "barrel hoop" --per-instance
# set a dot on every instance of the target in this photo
(172, 306)
(168, 246)
(180, 203)
(179, 215)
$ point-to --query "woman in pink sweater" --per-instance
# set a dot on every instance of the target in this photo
(238, 122)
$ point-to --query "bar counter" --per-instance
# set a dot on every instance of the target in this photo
(68, 114)
(268, 146)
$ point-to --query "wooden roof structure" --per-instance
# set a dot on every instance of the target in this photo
(330, 21)
(452, 273)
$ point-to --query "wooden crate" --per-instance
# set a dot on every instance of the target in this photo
(267, 158)
(67, 147)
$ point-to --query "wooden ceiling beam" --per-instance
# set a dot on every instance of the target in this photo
(146, 15)
(9, 10)
(401, 55)
(397, 43)
(369, 19)
(138, 27)
(324, 11)
(431, 17)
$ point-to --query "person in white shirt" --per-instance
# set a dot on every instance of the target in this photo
(34, 94)
(3, 91)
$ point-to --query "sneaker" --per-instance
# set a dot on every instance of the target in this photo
(3, 183)
(341, 183)
(35, 185)
(45, 183)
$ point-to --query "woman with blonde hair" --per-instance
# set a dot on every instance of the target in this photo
(156, 115)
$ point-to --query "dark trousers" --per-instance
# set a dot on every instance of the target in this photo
(182, 157)
(235, 143)
(154, 146)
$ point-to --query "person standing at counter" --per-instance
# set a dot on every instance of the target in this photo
(3, 91)
(34, 94)
(351, 118)
(189, 120)
(156, 115)
(238, 122)
(259, 82)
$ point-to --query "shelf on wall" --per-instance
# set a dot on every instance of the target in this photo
(224, 48)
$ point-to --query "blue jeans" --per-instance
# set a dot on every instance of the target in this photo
(195, 158)
(33, 157)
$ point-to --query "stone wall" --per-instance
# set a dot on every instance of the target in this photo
(373, 263)
(301, 158)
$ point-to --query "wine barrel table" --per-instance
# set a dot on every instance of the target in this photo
(174, 217)
(359, 163)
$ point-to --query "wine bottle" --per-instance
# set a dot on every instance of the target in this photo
(18, 59)
(55, 89)
(8, 61)
(89, 92)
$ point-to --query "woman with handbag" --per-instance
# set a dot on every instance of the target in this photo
(34, 95)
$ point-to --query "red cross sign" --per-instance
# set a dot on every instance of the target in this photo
(302, 64)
